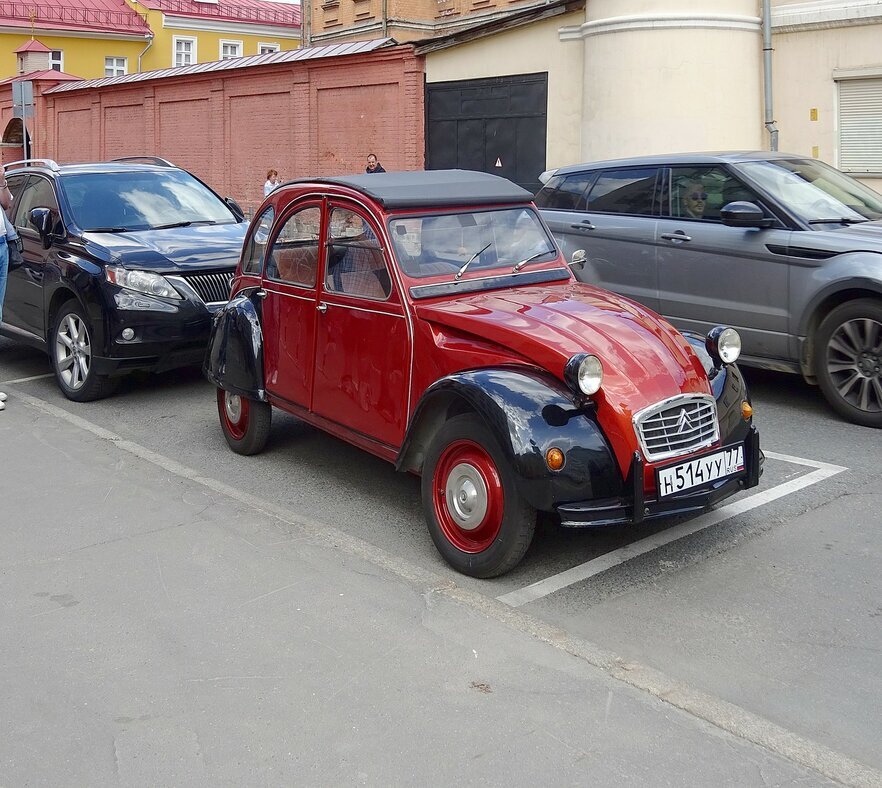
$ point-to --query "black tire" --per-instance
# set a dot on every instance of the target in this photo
(481, 541)
(70, 349)
(245, 422)
(848, 360)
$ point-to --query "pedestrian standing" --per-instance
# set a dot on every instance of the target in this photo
(9, 236)
(272, 181)
(373, 165)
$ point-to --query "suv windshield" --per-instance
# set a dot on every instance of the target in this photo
(814, 191)
(439, 245)
(145, 200)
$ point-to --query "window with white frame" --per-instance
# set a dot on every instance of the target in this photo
(230, 49)
(184, 51)
(56, 60)
(265, 49)
(116, 66)
(860, 125)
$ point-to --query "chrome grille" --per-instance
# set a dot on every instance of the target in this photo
(676, 426)
(211, 288)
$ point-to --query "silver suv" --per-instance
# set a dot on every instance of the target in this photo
(787, 250)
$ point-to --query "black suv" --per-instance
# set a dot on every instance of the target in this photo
(124, 263)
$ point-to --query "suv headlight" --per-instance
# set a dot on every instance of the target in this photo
(584, 373)
(723, 344)
(142, 282)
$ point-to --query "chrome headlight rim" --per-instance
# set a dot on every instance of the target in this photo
(583, 373)
(148, 283)
(723, 343)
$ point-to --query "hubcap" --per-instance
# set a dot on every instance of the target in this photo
(233, 406)
(73, 351)
(854, 361)
(466, 496)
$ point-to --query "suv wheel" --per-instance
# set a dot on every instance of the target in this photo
(71, 351)
(848, 353)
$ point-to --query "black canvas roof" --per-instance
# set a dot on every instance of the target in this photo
(442, 188)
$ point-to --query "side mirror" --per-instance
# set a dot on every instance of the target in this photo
(744, 214)
(235, 208)
(41, 219)
(579, 258)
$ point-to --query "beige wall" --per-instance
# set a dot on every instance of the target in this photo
(526, 50)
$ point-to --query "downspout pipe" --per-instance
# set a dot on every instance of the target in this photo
(144, 51)
(769, 118)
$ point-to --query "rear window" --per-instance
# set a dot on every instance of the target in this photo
(145, 200)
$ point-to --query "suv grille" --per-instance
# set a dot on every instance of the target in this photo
(212, 288)
(677, 426)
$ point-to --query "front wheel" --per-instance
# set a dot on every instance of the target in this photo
(848, 359)
(72, 356)
(245, 422)
(477, 518)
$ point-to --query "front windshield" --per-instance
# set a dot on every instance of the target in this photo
(815, 191)
(145, 200)
(493, 240)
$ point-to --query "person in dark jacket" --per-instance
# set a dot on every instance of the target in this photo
(373, 165)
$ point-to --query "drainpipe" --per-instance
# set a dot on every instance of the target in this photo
(385, 12)
(767, 75)
(144, 51)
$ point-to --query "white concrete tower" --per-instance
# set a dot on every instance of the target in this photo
(663, 76)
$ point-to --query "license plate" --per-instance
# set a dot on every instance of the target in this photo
(703, 470)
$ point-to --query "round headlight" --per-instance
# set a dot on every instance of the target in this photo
(724, 345)
(584, 373)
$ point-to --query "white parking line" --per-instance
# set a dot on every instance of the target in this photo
(27, 380)
(542, 588)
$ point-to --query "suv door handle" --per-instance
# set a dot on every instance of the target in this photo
(322, 307)
(586, 225)
(677, 236)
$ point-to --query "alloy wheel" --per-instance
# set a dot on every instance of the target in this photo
(73, 351)
(854, 362)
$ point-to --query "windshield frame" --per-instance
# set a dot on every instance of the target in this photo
(223, 216)
(753, 172)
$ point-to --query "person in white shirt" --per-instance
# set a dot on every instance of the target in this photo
(272, 181)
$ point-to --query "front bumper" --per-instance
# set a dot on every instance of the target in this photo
(635, 507)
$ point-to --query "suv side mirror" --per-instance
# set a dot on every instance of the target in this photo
(578, 259)
(744, 214)
(41, 219)
(235, 208)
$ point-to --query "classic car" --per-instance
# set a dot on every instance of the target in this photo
(785, 249)
(429, 318)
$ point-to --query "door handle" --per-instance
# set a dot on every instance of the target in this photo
(323, 307)
(586, 225)
(677, 236)
(260, 293)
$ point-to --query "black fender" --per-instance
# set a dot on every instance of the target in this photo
(528, 412)
(234, 358)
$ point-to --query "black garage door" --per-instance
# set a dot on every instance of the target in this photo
(494, 125)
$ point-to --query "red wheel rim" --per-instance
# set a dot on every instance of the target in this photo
(233, 411)
(468, 496)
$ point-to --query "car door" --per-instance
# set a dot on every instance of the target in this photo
(711, 274)
(288, 313)
(363, 342)
(613, 221)
(23, 307)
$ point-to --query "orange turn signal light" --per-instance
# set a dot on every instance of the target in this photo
(554, 459)
(746, 410)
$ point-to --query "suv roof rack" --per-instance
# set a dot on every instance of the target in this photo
(52, 165)
(151, 159)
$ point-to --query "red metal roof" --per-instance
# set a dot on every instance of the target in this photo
(271, 58)
(47, 75)
(262, 11)
(32, 46)
(107, 16)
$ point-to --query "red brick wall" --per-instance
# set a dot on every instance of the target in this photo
(306, 118)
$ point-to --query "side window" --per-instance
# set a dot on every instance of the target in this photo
(38, 193)
(355, 259)
(252, 260)
(294, 256)
(700, 193)
(565, 192)
(16, 184)
(624, 191)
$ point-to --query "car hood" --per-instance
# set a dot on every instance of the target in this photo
(853, 237)
(645, 360)
(173, 250)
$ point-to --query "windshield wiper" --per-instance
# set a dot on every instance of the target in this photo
(106, 230)
(458, 275)
(838, 220)
(183, 224)
(520, 265)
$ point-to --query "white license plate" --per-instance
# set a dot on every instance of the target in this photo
(704, 470)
